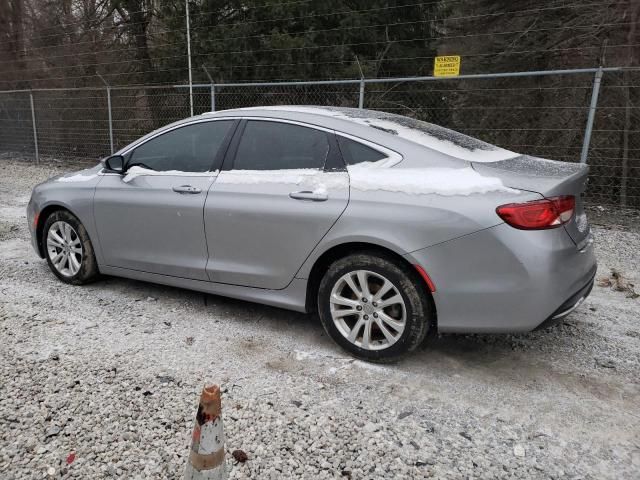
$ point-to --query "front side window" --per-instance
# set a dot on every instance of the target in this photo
(355, 152)
(277, 146)
(191, 148)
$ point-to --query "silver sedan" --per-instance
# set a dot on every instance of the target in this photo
(386, 226)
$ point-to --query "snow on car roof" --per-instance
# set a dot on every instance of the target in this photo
(423, 133)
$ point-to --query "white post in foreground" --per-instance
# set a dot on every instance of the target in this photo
(186, 3)
(206, 457)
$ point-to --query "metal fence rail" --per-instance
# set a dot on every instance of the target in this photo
(589, 115)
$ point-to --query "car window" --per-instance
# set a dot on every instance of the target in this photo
(355, 152)
(191, 148)
(277, 146)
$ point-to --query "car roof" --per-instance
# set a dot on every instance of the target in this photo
(380, 127)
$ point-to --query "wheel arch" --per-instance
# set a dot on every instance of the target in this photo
(45, 213)
(336, 252)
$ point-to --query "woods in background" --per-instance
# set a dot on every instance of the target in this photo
(66, 43)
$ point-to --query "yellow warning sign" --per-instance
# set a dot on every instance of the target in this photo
(446, 66)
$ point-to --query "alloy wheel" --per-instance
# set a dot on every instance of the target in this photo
(64, 248)
(368, 310)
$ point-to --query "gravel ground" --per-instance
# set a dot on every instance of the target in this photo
(110, 373)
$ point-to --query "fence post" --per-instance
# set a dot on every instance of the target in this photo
(213, 89)
(592, 114)
(108, 108)
(361, 96)
(110, 118)
(35, 129)
(186, 6)
(625, 140)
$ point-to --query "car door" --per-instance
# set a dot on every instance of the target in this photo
(150, 218)
(281, 189)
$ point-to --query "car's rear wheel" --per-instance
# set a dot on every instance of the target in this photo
(68, 248)
(374, 306)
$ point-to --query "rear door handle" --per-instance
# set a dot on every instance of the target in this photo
(186, 189)
(307, 195)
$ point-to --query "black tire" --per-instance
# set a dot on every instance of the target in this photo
(417, 303)
(88, 270)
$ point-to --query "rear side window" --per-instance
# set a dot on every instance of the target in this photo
(191, 148)
(355, 152)
(280, 146)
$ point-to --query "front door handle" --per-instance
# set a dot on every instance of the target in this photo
(307, 195)
(186, 189)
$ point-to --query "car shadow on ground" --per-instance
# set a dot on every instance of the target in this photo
(218, 306)
(452, 352)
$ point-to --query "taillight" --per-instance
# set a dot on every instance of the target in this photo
(539, 214)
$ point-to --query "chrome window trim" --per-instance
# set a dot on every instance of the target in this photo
(167, 130)
(393, 157)
(290, 122)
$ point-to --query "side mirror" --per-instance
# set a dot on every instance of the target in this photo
(115, 164)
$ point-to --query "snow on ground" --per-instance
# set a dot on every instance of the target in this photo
(111, 372)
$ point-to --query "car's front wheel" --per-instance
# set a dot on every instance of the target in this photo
(374, 306)
(68, 248)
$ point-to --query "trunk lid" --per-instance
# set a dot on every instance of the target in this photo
(548, 178)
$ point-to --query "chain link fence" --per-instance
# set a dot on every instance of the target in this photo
(614, 155)
(545, 114)
(71, 123)
(16, 124)
(137, 111)
(332, 94)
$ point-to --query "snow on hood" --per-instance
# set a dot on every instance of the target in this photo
(363, 177)
(443, 140)
(78, 177)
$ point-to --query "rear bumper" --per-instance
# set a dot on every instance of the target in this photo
(504, 280)
(570, 305)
